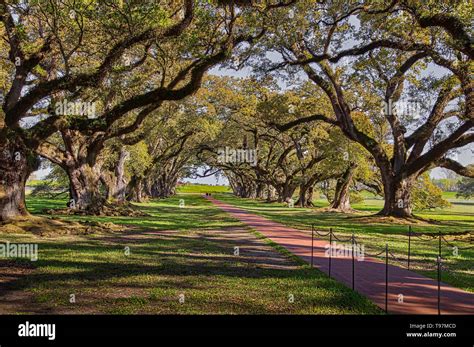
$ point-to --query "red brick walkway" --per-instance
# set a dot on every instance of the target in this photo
(420, 293)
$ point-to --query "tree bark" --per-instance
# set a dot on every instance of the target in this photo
(135, 189)
(108, 181)
(164, 187)
(259, 192)
(16, 165)
(271, 193)
(397, 198)
(305, 198)
(341, 201)
(286, 192)
(85, 189)
(309, 196)
(120, 188)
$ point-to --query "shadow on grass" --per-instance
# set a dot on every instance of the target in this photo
(174, 262)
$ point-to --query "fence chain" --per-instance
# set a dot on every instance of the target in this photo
(375, 255)
(438, 265)
(342, 240)
(420, 237)
(402, 261)
(453, 245)
(322, 234)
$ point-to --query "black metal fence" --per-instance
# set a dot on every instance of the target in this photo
(386, 255)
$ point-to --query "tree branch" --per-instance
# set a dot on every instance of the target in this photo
(466, 171)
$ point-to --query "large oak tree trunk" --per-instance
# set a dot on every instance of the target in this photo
(136, 189)
(120, 188)
(164, 187)
(309, 197)
(108, 180)
(397, 198)
(16, 164)
(271, 193)
(260, 191)
(85, 189)
(243, 187)
(286, 192)
(279, 194)
(301, 196)
(305, 198)
(341, 201)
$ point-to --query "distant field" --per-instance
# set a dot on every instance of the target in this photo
(185, 188)
(202, 189)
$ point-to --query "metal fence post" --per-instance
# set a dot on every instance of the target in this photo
(386, 278)
(439, 285)
(439, 274)
(409, 245)
(330, 250)
(353, 262)
(439, 243)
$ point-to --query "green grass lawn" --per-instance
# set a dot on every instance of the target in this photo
(202, 189)
(174, 254)
(374, 235)
(164, 214)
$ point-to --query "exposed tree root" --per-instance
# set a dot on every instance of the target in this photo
(54, 226)
(108, 209)
(376, 218)
(337, 210)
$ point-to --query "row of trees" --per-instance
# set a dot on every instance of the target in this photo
(399, 41)
(298, 158)
(229, 115)
(127, 58)
(283, 162)
(147, 163)
(141, 66)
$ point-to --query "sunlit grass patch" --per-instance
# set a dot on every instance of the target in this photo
(176, 253)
